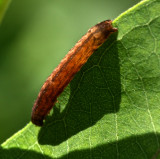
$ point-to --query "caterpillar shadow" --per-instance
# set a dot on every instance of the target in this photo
(95, 91)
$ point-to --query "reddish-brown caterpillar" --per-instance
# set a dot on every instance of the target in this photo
(68, 67)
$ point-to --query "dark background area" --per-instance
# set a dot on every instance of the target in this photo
(34, 37)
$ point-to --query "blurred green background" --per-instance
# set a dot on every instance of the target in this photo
(34, 37)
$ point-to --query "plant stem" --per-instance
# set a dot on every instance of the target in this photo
(3, 7)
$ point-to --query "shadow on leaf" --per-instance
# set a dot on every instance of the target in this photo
(94, 92)
(134, 147)
(17, 153)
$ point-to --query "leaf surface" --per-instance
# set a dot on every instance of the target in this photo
(111, 108)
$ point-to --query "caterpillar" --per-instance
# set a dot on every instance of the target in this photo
(68, 67)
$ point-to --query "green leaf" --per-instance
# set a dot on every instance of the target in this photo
(111, 107)
(3, 7)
